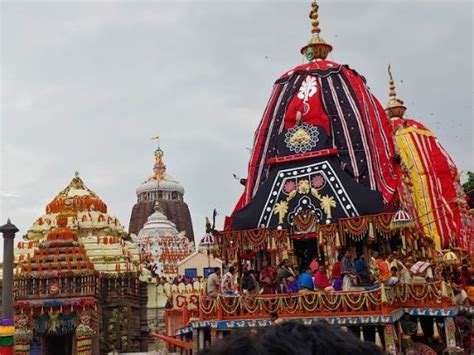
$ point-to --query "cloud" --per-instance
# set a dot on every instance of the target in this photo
(86, 84)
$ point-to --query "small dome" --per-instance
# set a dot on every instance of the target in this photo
(158, 224)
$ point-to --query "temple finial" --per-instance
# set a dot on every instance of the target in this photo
(313, 15)
(316, 47)
(76, 174)
(160, 167)
(395, 107)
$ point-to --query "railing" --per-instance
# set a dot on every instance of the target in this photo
(62, 286)
(381, 301)
(57, 287)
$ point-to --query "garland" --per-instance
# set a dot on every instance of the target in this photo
(382, 223)
(328, 230)
(292, 304)
(356, 226)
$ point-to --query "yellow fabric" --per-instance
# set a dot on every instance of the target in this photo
(420, 193)
(7, 330)
(416, 130)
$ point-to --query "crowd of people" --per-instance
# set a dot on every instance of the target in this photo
(346, 274)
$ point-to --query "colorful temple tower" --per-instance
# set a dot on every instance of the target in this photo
(77, 287)
(160, 244)
(168, 192)
(430, 187)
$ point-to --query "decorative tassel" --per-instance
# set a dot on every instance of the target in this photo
(435, 330)
(378, 341)
(274, 247)
(419, 330)
(338, 241)
(361, 334)
(371, 232)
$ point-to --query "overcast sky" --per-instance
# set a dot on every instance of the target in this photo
(84, 85)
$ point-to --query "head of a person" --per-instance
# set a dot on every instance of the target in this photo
(339, 257)
(307, 270)
(390, 257)
(394, 270)
(321, 268)
(375, 254)
(464, 269)
(347, 254)
(273, 316)
(283, 263)
(361, 257)
(217, 271)
(232, 270)
(291, 338)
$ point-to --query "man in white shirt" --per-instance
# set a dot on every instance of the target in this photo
(213, 282)
(227, 285)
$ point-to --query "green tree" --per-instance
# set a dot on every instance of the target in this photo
(469, 184)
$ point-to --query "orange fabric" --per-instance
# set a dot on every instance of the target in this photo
(173, 341)
(383, 269)
(470, 293)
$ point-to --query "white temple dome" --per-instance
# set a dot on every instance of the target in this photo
(158, 224)
(168, 184)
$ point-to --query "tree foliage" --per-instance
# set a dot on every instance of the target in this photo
(469, 184)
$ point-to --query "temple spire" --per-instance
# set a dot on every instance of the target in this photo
(316, 48)
(395, 107)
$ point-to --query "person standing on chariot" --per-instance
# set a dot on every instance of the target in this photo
(268, 279)
(347, 271)
(228, 284)
(336, 274)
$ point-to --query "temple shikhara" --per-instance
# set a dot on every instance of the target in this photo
(163, 188)
(351, 213)
(77, 280)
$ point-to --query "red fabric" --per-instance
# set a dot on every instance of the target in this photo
(321, 279)
(314, 116)
(302, 156)
(465, 279)
(336, 270)
(259, 142)
(6, 350)
(441, 185)
(379, 136)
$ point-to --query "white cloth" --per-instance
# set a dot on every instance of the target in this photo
(346, 283)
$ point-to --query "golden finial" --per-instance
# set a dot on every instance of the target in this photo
(395, 107)
(313, 15)
(316, 48)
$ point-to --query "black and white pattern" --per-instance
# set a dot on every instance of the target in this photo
(306, 172)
